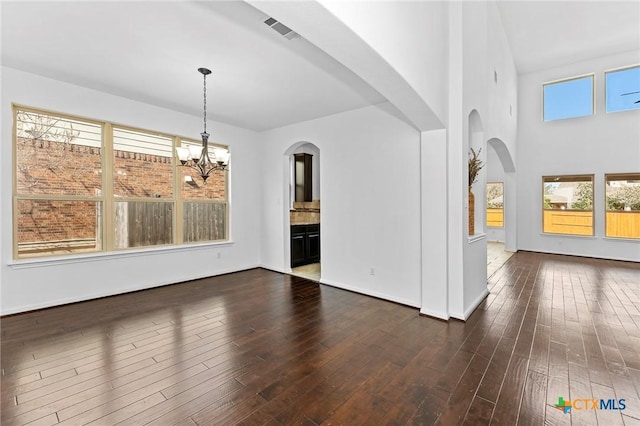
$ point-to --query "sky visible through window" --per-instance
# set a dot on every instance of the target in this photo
(623, 89)
(567, 99)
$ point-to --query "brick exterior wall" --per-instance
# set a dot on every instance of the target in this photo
(55, 168)
(50, 221)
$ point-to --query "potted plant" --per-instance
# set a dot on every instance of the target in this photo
(475, 165)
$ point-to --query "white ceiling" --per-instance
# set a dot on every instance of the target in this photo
(150, 51)
(546, 34)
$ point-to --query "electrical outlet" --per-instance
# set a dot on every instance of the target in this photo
(219, 255)
(372, 271)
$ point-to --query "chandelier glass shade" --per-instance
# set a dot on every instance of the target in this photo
(203, 159)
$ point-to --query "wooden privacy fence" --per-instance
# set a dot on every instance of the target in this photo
(623, 224)
(495, 217)
(619, 224)
(141, 223)
(204, 221)
(574, 222)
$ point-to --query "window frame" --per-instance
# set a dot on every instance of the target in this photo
(611, 71)
(566, 80)
(16, 197)
(105, 239)
(569, 178)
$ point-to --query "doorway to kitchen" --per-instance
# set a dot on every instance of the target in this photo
(304, 211)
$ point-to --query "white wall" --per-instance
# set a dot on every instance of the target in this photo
(484, 48)
(370, 215)
(598, 144)
(435, 224)
(394, 29)
(31, 285)
(502, 95)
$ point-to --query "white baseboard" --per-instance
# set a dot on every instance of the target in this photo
(472, 307)
(367, 292)
(435, 314)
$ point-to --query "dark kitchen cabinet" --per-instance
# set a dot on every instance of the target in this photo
(305, 244)
(303, 177)
(298, 245)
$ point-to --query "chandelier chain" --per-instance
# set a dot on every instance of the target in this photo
(205, 103)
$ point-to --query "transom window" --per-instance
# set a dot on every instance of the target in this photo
(83, 185)
(568, 204)
(622, 88)
(568, 98)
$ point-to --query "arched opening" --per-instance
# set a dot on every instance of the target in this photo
(302, 210)
(500, 206)
(475, 247)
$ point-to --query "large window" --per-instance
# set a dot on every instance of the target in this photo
(495, 204)
(83, 185)
(622, 88)
(568, 98)
(568, 205)
(622, 193)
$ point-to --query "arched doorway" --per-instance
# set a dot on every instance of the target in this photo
(501, 205)
(302, 215)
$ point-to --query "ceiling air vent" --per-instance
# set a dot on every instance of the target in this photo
(282, 29)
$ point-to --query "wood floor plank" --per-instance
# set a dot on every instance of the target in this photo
(557, 387)
(479, 413)
(430, 410)
(367, 403)
(606, 417)
(534, 398)
(539, 356)
(262, 348)
(508, 404)
(455, 411)
(491, 383)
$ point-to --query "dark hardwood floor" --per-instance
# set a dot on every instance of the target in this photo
(262, 348)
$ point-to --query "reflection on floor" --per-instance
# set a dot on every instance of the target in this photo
(496, 257)
(311, 271)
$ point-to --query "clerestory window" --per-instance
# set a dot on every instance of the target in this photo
(622, 89)
(568, 98)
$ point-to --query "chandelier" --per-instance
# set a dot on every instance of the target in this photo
(198, 157)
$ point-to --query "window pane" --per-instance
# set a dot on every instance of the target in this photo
(623, 205)
(142, 164)
(623, 89)
(204, 222)
(495, 204)
(141, 223)
(568, 204)
(567, 99)
(193, 187)
(58, 227)
(57, 156)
